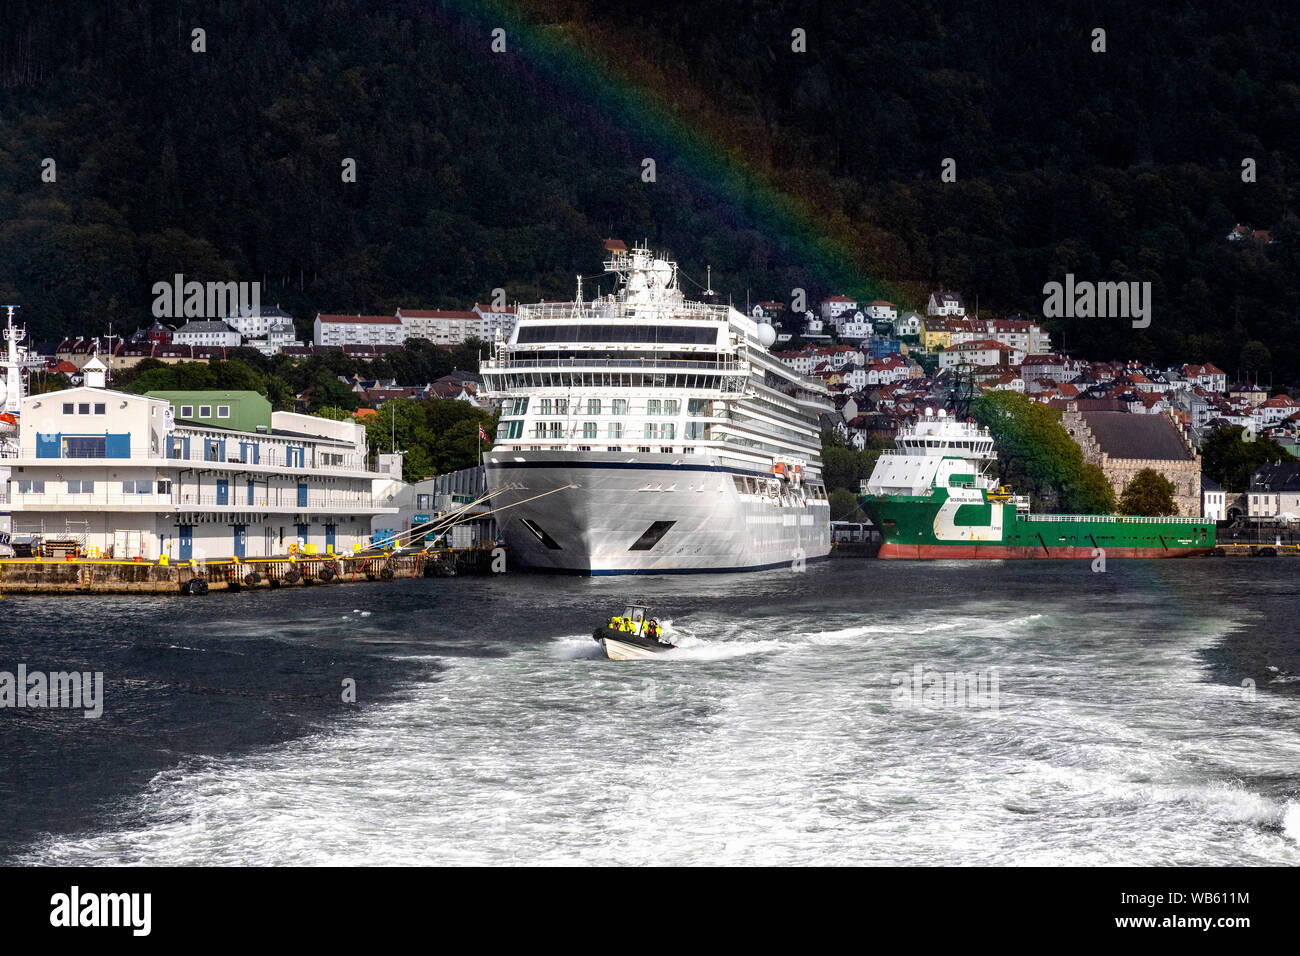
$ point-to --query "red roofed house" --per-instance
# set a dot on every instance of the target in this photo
(833, 306)
(980, 352)
(1208, 376)
(1272, 411)
(879, 310)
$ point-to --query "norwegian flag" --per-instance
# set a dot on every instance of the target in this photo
(482, 435)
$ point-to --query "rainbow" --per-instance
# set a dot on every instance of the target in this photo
(810, 232)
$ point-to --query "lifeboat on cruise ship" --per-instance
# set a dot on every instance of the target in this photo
(632, 636)
(8, 423)
(788, 471)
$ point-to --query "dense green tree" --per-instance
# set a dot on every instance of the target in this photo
(844, 466)
(1230, 460)
(844, 506)
(1090, 494)
(49, 382)
(1150, 494)
(435, 435)
(151, 375)
(333, 413)
(1255, 359)
(1037, 456)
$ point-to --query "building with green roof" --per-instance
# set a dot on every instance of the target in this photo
(243, 411)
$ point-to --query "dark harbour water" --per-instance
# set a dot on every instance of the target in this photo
(488, 728)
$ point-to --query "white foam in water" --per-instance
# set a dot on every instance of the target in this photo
(1291, 821)
(775, 741)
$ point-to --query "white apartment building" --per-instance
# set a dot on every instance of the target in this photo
(206, 332)
(256, 323)
(119, 474)
(358, 330)
(1214, 505)
(440, 326)
(1274, 491)
(278, 337)
(1020, 334)
(494, 322)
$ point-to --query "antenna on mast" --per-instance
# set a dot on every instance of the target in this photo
(708, 283)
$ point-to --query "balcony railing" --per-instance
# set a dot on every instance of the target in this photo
(1109, 519)
(336, 501)
(603, 309)
(692, 364)
(270, 460)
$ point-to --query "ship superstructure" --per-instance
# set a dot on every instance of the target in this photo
(679, 442)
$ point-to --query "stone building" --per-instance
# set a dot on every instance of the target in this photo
(1122, 444)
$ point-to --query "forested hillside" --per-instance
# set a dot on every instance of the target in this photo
(478, 170)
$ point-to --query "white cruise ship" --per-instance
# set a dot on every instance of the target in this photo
(642, 433)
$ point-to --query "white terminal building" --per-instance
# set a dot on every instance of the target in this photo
(192, 475)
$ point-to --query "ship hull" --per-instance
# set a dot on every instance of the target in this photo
(601, 513)
(937, 528)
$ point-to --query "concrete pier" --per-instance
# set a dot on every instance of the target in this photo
(90, 576)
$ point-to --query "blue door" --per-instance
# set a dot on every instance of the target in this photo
(302, 535)
(185, 536)
(302, 494)
(239, 540)
(250, 494)
(223, 491)
(330, 535)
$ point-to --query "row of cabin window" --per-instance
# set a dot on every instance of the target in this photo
(144, 486)
(644, 449)
(511, 430)
(618, 406)
(939, 443)
(591, 430)
(83, 408)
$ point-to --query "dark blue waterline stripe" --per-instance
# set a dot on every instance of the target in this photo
(737, 570)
